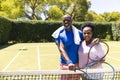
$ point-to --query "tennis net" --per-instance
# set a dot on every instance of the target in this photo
(57, 74)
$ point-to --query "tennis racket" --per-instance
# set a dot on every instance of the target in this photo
(107, 73)
(97, 53)
(96, 56)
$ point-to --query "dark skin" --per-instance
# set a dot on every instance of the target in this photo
(67, 22)
(88, 33)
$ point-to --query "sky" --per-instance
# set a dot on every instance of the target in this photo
(101, 6)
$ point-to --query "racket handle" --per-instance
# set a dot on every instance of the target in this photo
(91, 64)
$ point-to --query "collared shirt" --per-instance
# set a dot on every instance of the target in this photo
(67, 38)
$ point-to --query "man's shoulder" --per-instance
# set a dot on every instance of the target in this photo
(80, 31)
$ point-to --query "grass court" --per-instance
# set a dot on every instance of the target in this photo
(43, 56)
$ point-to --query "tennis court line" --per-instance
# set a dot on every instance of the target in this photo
(13, 59)
(38, 51)
(39, 66)
(38, 56)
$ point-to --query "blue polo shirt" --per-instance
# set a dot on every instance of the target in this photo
(67, 38)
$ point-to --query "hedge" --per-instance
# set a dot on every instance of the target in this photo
(40, 31)
(5, 28)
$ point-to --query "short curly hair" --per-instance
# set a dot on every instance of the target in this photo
(88, 24)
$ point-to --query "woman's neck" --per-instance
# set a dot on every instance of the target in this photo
(88, 42)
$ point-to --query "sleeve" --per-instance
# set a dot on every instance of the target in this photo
(57, 40)
(81, 35)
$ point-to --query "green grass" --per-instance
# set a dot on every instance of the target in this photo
(14, 57)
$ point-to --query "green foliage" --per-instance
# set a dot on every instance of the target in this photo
(115, 16)
(107, 38)
(92, 16)
(5, 28)
(80, 10)
(11, 9)
(55, 13)
(116, 31)
(41, 31)
(102, 30)
(32, 31)
(110, 17)
(43, 9)
(77, 8)
(34, 8)
(62, 4)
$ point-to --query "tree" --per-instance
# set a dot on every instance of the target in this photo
(92, 16)
(33, 9)
(113, 16)
(77, 8)
(80, 9)
(11, 8)
(14, 9)
(55, 13)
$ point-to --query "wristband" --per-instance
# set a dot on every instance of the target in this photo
(69, 61)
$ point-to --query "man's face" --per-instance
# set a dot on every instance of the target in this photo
(67, 22)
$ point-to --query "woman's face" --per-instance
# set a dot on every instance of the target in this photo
(87, 34)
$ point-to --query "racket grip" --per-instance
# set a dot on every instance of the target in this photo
(91, 64)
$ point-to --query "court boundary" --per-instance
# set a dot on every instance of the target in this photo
(19, 52)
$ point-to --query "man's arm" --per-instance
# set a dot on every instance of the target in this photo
(61, 48)
(62, 51)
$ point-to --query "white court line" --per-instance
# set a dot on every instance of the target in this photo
(38, 57)
(113, 58)
(13, 59)
(39, 67)
(38, 51)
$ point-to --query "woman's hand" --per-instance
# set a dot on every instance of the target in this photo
(95, 41)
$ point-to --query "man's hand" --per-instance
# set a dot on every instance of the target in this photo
(72, 67)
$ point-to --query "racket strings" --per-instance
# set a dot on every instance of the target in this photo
(98, 75)
(97, 59)
(92, 61)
